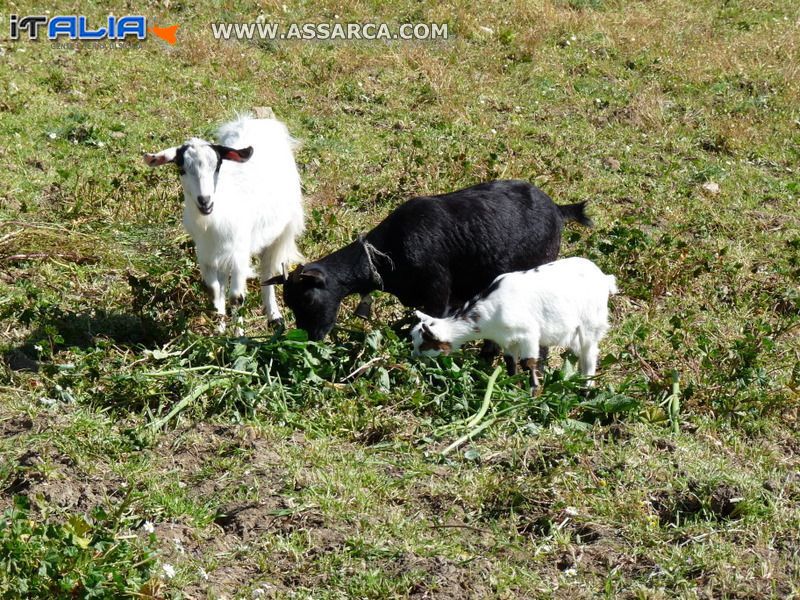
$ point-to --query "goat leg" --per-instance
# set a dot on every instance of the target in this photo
(511, 364)
(489, 351)
(530, 365)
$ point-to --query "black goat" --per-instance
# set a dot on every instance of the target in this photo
(434, 252)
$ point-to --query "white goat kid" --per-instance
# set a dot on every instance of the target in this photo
(563, 303)
(242, 198)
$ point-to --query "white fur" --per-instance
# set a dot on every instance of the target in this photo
(563, 303)
(257, 207)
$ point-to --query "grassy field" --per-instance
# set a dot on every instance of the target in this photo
(143, 456)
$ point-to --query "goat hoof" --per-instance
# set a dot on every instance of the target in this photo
(222, 326)
(277, 324)
(237, 300)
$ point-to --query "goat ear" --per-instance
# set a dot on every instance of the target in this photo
(422, 316)
(314, 276)
(240, 156)
(160, 158)
(277, 280)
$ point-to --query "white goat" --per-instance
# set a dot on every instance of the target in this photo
(242, 198)
(562, 303)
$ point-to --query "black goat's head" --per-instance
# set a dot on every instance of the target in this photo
(308, 292)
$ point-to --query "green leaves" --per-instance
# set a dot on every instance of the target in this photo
(83, 557)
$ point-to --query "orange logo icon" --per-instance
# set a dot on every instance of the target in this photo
(166, 33)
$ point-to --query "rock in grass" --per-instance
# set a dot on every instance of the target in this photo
(711, 187)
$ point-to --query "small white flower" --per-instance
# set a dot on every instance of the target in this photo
(149, 527)
(169, 570)
(52, 136)
(494, 131)
(203, 573)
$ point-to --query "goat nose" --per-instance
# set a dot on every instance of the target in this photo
(203, 200)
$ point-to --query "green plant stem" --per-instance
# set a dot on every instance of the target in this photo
(188, 399)
(675, 403)
(198, 370)
(486, 398)
(468, 436)
(478, 416)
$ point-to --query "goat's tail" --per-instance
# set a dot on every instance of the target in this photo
(577, 213)
(612, 284)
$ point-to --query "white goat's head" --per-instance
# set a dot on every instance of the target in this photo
(198, 163)
(429, 336)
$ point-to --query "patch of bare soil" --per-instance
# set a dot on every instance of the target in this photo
(224, 582)
(15, 425)
(176, 540)
(717, 503)
(195, 452)
(52, 477)
(275, 514)
(542, 522)
(190, 451)
(442, 578)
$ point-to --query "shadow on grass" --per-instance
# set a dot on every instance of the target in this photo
(83, 330)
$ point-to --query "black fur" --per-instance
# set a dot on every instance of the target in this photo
(179, 156)
(443, 250)
(464, 311)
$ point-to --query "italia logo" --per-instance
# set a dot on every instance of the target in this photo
(76, 27)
